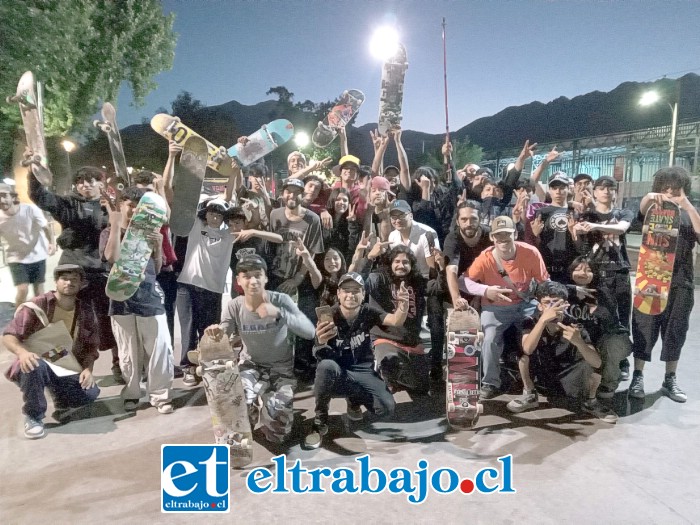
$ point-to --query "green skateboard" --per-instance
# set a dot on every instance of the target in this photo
(33, 128)
(110, 128)
(266, 140)
(218, 368)
(187, 185)
(128, 271)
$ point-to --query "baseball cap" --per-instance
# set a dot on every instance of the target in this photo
(605, 180)
(485, 171)
(65, 268)
(400, 205)
(351, 276)
(293, 182)
(7, 188)
(582, 176)
(351, 159)
(391, 167)
(251, 262)
(559, 177)
(502, 224)
(217, 205)
(380, 183)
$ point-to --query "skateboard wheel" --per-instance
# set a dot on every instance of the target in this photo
(645, 229)
(674, 232)
(635, 291)
(664, 296)
(230, 365)
(199, 371)
(479, 408)
(450, 407)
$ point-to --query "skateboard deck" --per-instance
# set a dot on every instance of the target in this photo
(391, 96)
(109, 126)
(187, 185)
(266, 140)
(173, 129)
(217, 366)
(657, 254)
(463, 368)
(347, 106)
(129, 269)
(27, 99)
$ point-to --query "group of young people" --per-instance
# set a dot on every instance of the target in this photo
(332, 282)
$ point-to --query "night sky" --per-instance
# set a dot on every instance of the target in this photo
(500, 53)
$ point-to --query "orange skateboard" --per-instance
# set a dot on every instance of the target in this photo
(657, 254)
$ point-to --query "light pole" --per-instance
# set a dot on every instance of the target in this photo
(69, 146)
(651, 97)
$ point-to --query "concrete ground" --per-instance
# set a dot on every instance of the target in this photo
(103, 465)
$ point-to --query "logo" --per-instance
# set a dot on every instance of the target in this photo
(194, 478)
(415, 485)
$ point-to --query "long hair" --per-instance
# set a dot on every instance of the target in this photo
(330, 205)
(674, 177)
(395, 252)
(329, 284)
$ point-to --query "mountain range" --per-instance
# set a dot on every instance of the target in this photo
(592, 114)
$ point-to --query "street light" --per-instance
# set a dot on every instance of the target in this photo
(301, 139)
(384, 43)
(651, 97)
(69, 146)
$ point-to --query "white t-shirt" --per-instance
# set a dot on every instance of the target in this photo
(208, 257)
(418, 245)
(23, 231)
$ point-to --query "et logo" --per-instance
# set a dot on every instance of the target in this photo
(195, 478)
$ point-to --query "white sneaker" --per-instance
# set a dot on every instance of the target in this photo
(525, 402)
(165, 408)
(33, 428)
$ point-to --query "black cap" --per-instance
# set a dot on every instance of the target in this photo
(293, 182)
(485, 171)
(605, 180)
(65, 268)
(351, 276)
(251, 262)
(582, 176)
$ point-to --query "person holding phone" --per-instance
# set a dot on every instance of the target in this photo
(344, 353)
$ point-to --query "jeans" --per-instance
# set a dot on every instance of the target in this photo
(66, 391)
(495, 320)
(197, 309)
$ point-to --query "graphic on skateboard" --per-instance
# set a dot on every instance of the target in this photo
(266, 140)
(463, 368)
(172, 128)
(187, 185)
(129, 269)
(347, 106)
(108, 125)
(657, 254)
(33, 128)
(391, 96)
(217, 366)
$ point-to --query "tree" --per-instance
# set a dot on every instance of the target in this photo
(81, 50)
(185, 106)
(283, 94)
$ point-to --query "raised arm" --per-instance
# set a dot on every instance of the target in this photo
(169, 170)
(537, 174)
(380, 143)
(404, 175)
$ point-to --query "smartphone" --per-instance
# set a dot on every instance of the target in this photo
(324, 314)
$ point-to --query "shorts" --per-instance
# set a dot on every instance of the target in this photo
(32, 273)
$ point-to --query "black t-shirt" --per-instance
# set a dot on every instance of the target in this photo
(458, 252)
(252, 246)
(609, 250)
(353, 340)
(598, 315)
(556, 244)
(553, 352)
(383, 292)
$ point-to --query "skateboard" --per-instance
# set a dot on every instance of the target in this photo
(347, 106)
(173, 129)
(187, 185)
(33, 127)
(128, 271)
(391, 97)
(267, 139)
(657, 254)
(217, 366)
(463, 368)
(109, 126)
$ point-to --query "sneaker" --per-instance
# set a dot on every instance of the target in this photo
(313, 439)
(605, 393)
(671, 389)
(525, 402)
(488, 391)
(165, 408)
(131, 405)
(33, 428)
(599, 410)
(190, 378)
(636, 389)
(354, 412)
(117, 374)
(624, 370)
